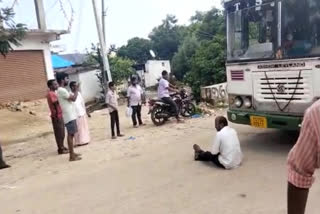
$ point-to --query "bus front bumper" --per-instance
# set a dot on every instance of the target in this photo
(271, 120)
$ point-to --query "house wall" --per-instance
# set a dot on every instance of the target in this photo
(89, 84)
(22, 76)
(154, 69)
(39, 43)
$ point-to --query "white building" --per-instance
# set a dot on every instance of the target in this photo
(153, 71)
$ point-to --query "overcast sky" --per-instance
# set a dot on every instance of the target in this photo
(125, 18)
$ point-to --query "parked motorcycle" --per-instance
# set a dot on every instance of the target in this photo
(161, 112)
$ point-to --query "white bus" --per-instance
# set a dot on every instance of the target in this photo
(273, 61)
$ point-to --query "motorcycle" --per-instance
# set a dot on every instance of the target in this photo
(187, 108)
(161, 112)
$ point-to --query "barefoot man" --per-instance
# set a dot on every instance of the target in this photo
(69, 113)
(226, 152)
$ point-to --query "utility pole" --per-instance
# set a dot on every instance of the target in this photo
(103, 16)
(104, 54)
(41, 17)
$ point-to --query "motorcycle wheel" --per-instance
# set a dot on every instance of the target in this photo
(188, 110)
(158, 121)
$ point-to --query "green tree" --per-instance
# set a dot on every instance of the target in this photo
(181, 62)
(137, 49)
(208, 65)
(10, 32)
(167, 37)
(121, 68)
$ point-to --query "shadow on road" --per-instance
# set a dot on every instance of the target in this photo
(277, 142)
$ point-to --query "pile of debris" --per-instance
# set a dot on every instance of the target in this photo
(19, 106)
(207, 109)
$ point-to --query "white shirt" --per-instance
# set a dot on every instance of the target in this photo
(135, 95)
(112, 99)
(228, 145)
(80, 105)
(68, 107)
(163, 90)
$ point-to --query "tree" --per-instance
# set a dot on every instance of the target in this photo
(137, 49)
(10, 33)
(167, 37)
(208, 65)
(121, 68)
(181, 62)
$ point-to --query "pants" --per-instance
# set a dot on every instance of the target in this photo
(208, 156)
(59, 132)
(1, 158)
(136, 113)
(172, 104)
(114, 116)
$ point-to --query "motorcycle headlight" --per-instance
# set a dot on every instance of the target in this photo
(238, 102)
(248, 102)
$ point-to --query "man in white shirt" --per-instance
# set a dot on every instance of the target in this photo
(226, 152)
(164, 93)
(134, 95)
(69, 113)
(112, 102)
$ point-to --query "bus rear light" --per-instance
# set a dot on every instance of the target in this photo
(237, 75)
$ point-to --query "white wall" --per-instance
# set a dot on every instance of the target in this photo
(39, 43)
(90, 85)
(154, 69)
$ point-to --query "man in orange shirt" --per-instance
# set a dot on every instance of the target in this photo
(56, 116)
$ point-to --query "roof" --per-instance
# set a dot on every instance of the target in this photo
(77, 58)
(59, 62)
(52, 35)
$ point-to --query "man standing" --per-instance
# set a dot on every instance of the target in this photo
(164, 94)
(134, 95)
(112, 102)
(56, 116)
(303, 160)
(3, 164)
(226, 151)
(66, 101)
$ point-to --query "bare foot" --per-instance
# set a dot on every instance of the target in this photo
(196, 148)
(120, 135)
(64, 151)
(75, 158)
(136, 126)
(143, 124)
(113, 137)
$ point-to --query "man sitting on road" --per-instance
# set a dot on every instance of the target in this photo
(164, 89)
(226, 152)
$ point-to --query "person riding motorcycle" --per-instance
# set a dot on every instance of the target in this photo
(164, 90)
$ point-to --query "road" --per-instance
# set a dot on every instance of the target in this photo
(153, 172)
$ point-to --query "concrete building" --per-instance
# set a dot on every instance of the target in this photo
(25, 71)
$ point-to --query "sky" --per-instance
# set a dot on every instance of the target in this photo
(125, 18)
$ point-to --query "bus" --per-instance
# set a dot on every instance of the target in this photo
(273, 61)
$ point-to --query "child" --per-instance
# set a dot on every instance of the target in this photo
(112, 101)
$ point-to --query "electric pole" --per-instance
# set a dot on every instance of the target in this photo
(103, 16)
(41, 17)
(106, 68)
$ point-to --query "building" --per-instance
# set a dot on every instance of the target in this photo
(25, 71)
(151, 72)
(86, 75)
